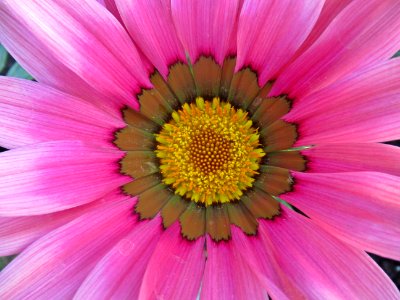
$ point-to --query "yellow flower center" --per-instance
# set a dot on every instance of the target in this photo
(209, 152)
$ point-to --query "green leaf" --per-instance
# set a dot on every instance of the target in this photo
(397, 54)
(17, 71)
(3, 58)
(4, 261)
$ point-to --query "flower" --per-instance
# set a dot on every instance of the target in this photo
(227, 148)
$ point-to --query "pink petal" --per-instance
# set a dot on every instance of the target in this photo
(330, 158)
(49, 37)
(362, 107)
(31, 113)
(16, 233)
(322, 266)
(112, 7)
(227, 276)
(360, 208)
(262, 263)
(54, 176)
(206, 27)
(329, 12)
(176, 268)
(364, 33)
(119, 273)
(150, 25)
(54, 266)
(270, 32)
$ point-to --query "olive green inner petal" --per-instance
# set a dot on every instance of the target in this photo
(173, 210)
(271, 110)
(274, 180)
(134, 139)
(280, 135)
(165, 91)
(207, 76)
(136, 119)
(154, 107)
(240, 216)
(226, 77)
(193, 221)
(244, 88)
(217, 222)
(139, 163)
(292, 160)
(141, 184)
(152, 201)
(181, 82)
(261, 204)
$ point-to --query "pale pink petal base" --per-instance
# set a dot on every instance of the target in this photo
(176, 268)
(55, 266)
(360, 208)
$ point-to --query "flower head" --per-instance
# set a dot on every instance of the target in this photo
(227, 148)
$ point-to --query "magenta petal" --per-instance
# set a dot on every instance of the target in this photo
(150, 25)
(31, 113)
(330, 158)
(55, 266)
(206, 27)
(16, 233)
(259, 257)
(227, 276)
(270, 32)
(119, 273)
(322, 266)
(176, 268)
(364, 33)
(360, 208)
(54, 176)
(55, 40)
(329, 12)
(362, 107)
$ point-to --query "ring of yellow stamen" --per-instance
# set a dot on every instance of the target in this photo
(209, 152)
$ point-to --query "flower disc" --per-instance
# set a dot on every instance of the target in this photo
(209, 152)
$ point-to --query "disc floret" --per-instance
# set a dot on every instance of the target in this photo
(209, 152)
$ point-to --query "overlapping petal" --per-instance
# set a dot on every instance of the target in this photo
(75, 46)
(151, 27)
(67, 253)
(119, 273)
(362, 107)
(360, 208)
(54, 176)
(206, 27)
(331, 158)
(270, 32)
(176, 268)
(320, 265)
(32, 113)
(348, 43)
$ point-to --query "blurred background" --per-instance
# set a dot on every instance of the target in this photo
(9, 67)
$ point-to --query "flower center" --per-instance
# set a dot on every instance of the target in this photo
(209, 152)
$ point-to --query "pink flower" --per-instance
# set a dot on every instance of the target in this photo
(205, 186)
